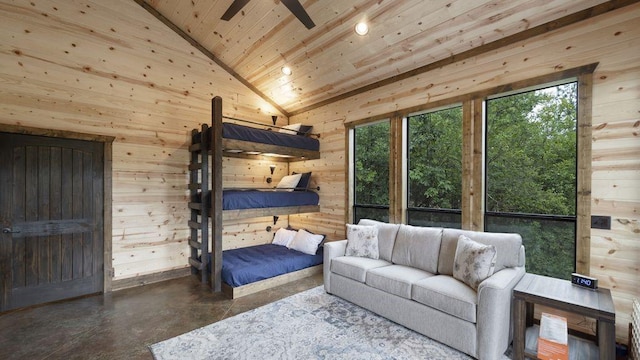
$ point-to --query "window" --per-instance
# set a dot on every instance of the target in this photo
(371, 172)
(434, 181)
(531, 174)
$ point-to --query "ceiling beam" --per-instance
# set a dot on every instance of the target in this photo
(210, 55)
(523, 35)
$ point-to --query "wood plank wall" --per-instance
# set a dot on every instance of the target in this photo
(110, 68)
(612, 40)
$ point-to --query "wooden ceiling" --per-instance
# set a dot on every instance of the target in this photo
(331, 61)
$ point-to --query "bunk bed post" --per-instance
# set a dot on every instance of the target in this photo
(216, 193)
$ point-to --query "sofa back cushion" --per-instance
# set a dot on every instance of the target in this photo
(507, 247)
(418, 247)
(386, 236)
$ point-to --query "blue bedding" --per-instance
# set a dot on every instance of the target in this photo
(252, 199)
(247, 265)
(246, 133)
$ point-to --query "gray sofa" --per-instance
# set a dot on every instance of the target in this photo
(412, 284)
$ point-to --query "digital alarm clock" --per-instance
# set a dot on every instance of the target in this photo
(584, 281)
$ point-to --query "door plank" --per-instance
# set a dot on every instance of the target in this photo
(19, 267)
(55, 213)
(77, 212)
(52, 227)
(31, 214)
(44, 252)
(87, 210)
(66, 192)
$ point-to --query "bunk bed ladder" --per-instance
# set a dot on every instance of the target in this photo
(199, 203)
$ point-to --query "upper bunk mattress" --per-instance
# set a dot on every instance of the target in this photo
(246, 133)
(255, 199)
(254, 263)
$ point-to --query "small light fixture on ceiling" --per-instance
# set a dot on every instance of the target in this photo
(286, 70)
(362, 28)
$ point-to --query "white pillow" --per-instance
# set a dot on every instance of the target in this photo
(306, 242)
(283, 237)
(290, 129)
(473, 262)
(289, 182)
(362, 241)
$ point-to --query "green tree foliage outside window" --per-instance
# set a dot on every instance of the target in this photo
(531, 173)
(435, 168)
(435, 159)
(372, 171)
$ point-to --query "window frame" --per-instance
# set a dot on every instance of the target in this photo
(473, 190)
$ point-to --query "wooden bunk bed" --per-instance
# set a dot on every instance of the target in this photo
(209, 146)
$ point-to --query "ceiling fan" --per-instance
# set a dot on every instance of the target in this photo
(293, 5)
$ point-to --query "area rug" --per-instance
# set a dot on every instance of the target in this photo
(308, 325)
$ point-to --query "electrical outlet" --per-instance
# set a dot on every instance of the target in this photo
(601, 222)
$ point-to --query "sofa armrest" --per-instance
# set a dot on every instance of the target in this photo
(494, 312)
(332, 250)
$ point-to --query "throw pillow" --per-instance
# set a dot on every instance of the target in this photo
(290, 129)
(305, 130)
(306, 242)
(303, 184)
(473, 261)
(289, 182)
(362, 241)
(283, 237)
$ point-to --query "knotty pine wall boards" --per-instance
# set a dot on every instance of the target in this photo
(111, 68)
(612, 40)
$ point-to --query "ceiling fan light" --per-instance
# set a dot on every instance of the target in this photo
(286, 70)
(362, 28)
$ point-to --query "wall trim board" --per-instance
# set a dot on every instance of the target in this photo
(142, 280)
(481, 94)
(163, 19)
(108, 184)
(25, 130)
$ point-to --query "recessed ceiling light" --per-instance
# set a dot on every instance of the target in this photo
(362, 28)
(286, 70)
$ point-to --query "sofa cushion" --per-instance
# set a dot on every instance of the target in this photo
(448, 295)
(507, 248)
(355, 267)
(417, 247)
(362, 241)
(473, 262)
(395, 279)
(386, 236)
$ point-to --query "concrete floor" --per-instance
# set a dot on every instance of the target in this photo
(121, 325)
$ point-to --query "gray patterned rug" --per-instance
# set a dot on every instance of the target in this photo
(309, 325)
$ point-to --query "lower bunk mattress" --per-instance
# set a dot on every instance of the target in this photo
(247, 265)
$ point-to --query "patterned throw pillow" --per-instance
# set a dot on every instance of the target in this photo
(473, 261)
(362, 241)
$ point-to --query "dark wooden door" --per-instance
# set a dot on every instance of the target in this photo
(51, 217)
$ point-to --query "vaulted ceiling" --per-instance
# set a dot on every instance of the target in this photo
(330, 60)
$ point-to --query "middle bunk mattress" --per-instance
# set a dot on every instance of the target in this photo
(254, 199)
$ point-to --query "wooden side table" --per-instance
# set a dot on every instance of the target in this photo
(562, 295)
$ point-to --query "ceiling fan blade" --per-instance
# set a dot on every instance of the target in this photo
(296, 8)
(234, 9)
